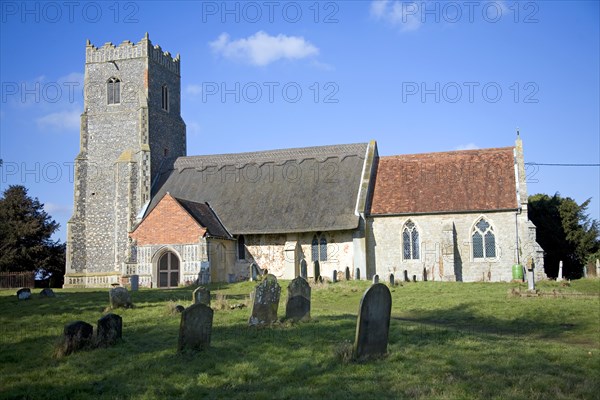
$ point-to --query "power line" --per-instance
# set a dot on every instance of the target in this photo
(562, 165)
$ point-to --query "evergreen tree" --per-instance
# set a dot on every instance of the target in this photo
(25, 235)
(565, 232)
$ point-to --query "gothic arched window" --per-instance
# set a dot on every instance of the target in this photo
(165, 98)
(319, 248)
(484, 240)
(410, 241)
(113, 91)
(241, 247)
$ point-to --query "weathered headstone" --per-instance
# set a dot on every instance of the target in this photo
(298, 301)
(179, 308)
(560, 271)
(254, 272)
(47, 292)
(375, 279)
(373, 323)
(110, 329)
(531, 275)
(406, 278)
(76, 335)
(347, 273)
(357, 274)
(316, 270)
(195, 328)
(119, 297)
(392, 282)
(24, 294)
(424, 275)
(265, 301)
(414, 278)
(201, 295)
(334, 276)
(134, 281)
(303, 269)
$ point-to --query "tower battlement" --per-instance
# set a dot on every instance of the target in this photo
(129, 50)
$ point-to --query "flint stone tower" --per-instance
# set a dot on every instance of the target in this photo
(131, 128)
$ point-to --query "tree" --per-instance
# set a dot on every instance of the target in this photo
(565, 232)
(25, 235)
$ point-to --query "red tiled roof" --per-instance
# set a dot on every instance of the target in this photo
(469, 180)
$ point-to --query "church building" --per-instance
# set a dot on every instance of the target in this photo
(143, 207)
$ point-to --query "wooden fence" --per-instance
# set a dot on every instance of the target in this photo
(16, 280)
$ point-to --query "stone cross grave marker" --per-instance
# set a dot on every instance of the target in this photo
(195, 328)
(298, 301)
(303, 269)
(373, 323)
(347, 273)
(201, 295)
(265, 301)
(110, 329)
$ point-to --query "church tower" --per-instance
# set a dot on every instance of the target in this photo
(131, 129)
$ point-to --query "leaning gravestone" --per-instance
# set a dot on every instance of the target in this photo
(265, 302)
(119, 297)
(47, 292)
(317, 270)
(24, 294)
(298, 301)
(303, 269)
(195, 328)
(110, 329)
(202, 295)
(347, 273)
(373, 323)
(77, 335)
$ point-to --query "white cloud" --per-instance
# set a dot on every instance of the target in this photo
(468, 146)
(193, 90)
(54, 208)
(193, 128)
(262, 49)
(60, 121)
(405, 14)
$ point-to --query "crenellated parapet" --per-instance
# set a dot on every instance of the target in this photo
(128, 50)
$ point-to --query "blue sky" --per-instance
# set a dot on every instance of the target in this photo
(415, 76)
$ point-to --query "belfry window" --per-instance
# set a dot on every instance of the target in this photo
(165, 98)
(241, 247)
(113, 91)
(319, 248)
(484, 240)
(410, 241)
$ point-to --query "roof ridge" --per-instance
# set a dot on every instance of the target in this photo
(472, 151)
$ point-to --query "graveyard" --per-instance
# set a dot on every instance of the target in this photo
(446, 340)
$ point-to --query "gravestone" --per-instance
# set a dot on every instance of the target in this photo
(560, 271)
(406, 278)
(265, 302)
(347, 273)
(298, 301)
(47, 292)
(303, 269)
(110, 329)
(24, 294)
(373, 323)
(531, 275)
(317, 270)
(597, 268)
(375, 279)
(414, 278)
(134, 281)
(392, 282)
(119, 297)
(76, 335)
(179, 308)
(195, 328)
(254, 272)
(357, 274)
(424, 275)
(334, 276)
(201, 295)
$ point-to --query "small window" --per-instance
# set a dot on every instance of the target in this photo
(410, 241)
(165, 98)
(484, 240)
(319, 248)
(241, 248)
(113, 91)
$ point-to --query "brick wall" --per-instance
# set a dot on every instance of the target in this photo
(168, 223)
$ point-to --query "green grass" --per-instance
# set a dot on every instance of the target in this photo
(447, 341)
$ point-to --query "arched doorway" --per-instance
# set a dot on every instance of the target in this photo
(168, 270)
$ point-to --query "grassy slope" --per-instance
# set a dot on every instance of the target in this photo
(447, 340)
